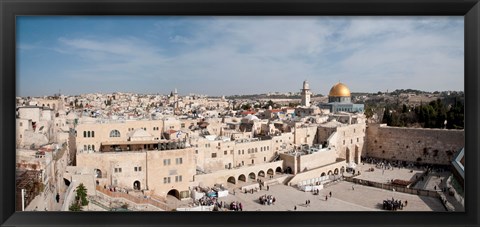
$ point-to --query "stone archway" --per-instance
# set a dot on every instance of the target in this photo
(323, 174)
(252, 176)
(329, 172)
(136, 185)
(98, 173)
(335, 171)
(242, 178)
(261, 173)
(270, 171)
(231, 180)
(174, 193)
(289, 170)
(278, 169)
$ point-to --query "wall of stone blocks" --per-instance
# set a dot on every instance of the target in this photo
(433, 146)
(317, 159)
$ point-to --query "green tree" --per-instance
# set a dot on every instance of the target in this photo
(75, 206)
(82, 194)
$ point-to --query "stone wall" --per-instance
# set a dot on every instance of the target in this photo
(316, 159)
(433, 146)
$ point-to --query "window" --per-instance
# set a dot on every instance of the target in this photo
(343, 142)
(225, 152)
(21, 124)
(20, 136)
(214, 155)
(93, 133)
(196, 151)
(179, 161)
(119, 170)
(264, 159)
(358, 140)
(166, 162)
(93, 147)
(84, 147)
(84, 134)
(139, 168)
(166, 180)
(243, 151)
(182, 125)
(239, 151)
(261, 148)
(114, 133)
(88, 134)
(178, 178)
(256, 151)
(135, 169)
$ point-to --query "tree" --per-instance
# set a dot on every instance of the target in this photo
(82, 194)
(75, 207)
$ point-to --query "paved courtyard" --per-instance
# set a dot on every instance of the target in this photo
(384, 176)
(344, 198)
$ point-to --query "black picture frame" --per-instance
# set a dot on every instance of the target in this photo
(470, 9)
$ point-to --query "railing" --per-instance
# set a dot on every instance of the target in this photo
(413, 191)
(136, 199)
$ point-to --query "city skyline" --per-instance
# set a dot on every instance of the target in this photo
(237, 55)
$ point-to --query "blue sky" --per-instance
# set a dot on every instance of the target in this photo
(237, 55)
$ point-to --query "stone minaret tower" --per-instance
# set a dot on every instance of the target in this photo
(306, 94)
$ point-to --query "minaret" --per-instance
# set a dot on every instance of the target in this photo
(175, 98)
(306, 94)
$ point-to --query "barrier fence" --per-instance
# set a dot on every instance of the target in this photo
(413, 191)
(136, 199)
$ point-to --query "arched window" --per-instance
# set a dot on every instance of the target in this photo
(88, 134)
(93, 147)
(84, 134)
(93, 134)
(114, 133)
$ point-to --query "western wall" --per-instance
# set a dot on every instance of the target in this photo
(432, 146)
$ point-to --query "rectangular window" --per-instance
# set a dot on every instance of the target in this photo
(166, 162)
(178, 178)
(225, 152)
(139, 168)
(165, 180)
(214, 155)
(21, 124)
(182, 125)
(179, 161)
(357, 140)
(239, 151)
(135, 169)
(119, 170)
(93, 133)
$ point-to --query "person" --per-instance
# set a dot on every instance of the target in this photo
(268, 188)
(330, 194)
(406, 203)
(57, 198)
(306, 202)
(326, 198)
(295, 208)
(353, 188)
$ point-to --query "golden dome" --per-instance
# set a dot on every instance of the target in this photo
(339, 90)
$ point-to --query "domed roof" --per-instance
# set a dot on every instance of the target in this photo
(339, 90)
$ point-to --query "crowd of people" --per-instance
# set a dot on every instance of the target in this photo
(267, 200)
(394, 204)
